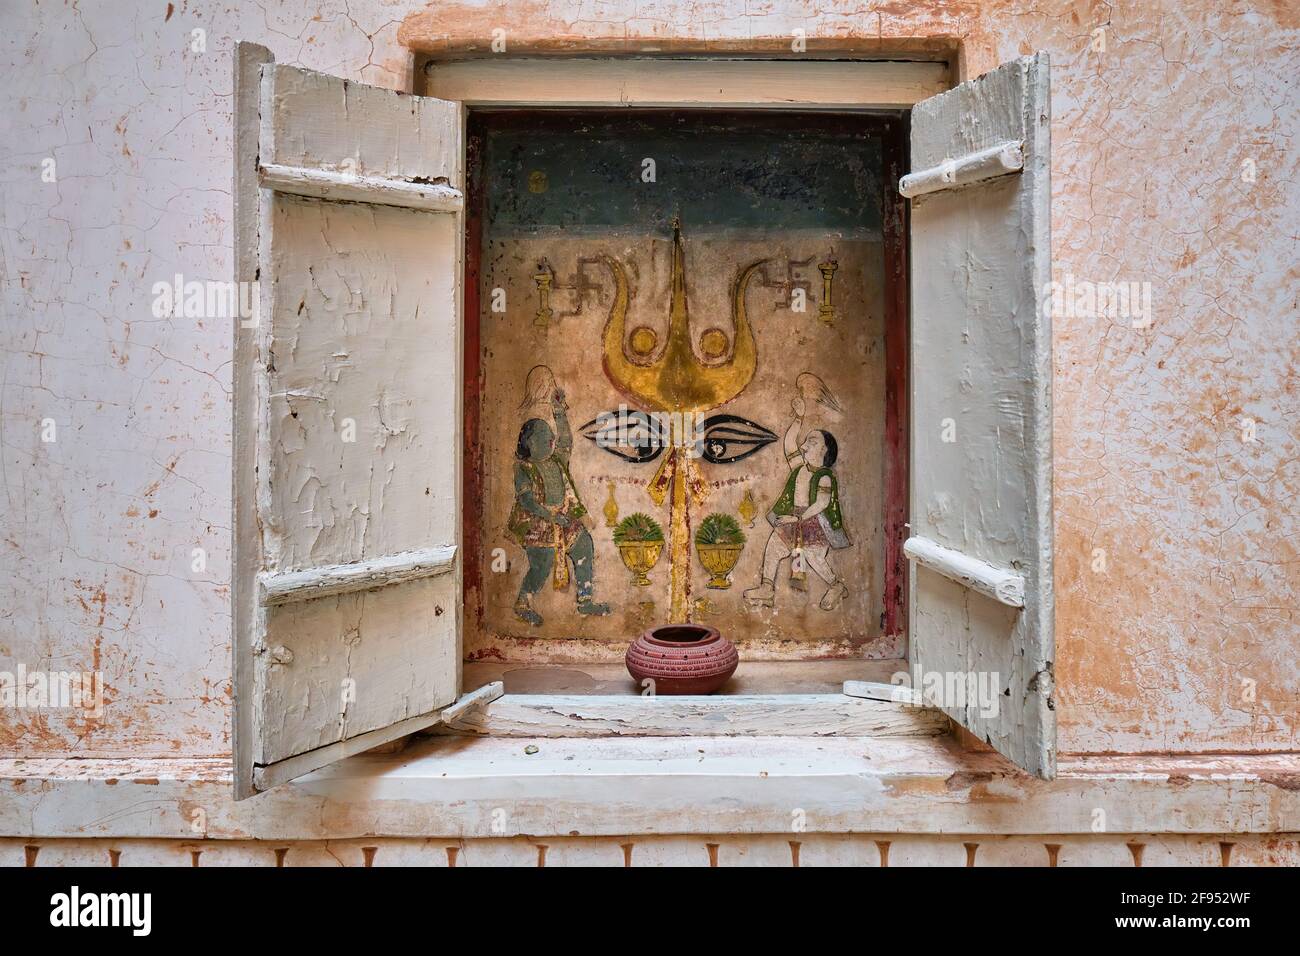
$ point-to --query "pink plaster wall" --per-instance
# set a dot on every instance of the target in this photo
(1187, 641)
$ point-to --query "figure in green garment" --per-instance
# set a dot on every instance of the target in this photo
(806, 520)
(548, 519)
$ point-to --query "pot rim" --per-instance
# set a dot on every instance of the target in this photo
(710, 636)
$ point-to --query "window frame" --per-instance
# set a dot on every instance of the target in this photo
(704, 82)
(888, 88)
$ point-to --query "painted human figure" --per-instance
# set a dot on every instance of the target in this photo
(548, 519)
(806, 517)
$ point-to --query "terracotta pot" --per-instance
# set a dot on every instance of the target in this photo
(682, 659)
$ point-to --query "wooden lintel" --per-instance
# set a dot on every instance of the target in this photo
(640, 82)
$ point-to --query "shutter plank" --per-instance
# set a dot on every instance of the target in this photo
(355, 374)
(981, 429)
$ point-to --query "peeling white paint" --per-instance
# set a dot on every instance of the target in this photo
(981, 365)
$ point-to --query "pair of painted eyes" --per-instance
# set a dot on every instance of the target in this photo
(637, 436)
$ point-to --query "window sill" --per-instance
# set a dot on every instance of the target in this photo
(468, 787)
(605, 678)
(787, 699)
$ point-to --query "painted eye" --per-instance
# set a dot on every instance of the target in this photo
(729, 438)
(631, 435)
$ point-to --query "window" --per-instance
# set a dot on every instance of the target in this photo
(709, 290)
(348, 418)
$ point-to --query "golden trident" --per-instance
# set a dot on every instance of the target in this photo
(673, 379)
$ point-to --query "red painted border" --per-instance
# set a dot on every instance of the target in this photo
(472, 459)
(897, 392)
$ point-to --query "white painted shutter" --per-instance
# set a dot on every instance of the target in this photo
(981, 603)
(346, 601)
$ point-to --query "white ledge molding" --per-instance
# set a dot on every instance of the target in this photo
(289, 587)
(457, 787)
(999, 160)
(350, 187)
(760, 715)
(1000, 584)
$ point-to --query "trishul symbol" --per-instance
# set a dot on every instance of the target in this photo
(672, 377)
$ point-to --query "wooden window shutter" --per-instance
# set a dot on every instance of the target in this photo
(981, 599)
(347, 383)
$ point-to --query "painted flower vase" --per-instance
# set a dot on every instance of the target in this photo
(640, 557)
(719, 560)
(718, 542)
(640, 540)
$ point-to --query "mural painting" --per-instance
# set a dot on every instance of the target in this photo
(683, 288)
(807, 523)
(549, 520)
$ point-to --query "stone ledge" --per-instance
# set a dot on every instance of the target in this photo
(485, 787)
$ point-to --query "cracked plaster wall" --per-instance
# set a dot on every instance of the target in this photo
(97, 529)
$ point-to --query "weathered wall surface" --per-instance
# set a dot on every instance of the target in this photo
(1176, 443)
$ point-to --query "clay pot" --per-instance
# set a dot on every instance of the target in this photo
(682, 659)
